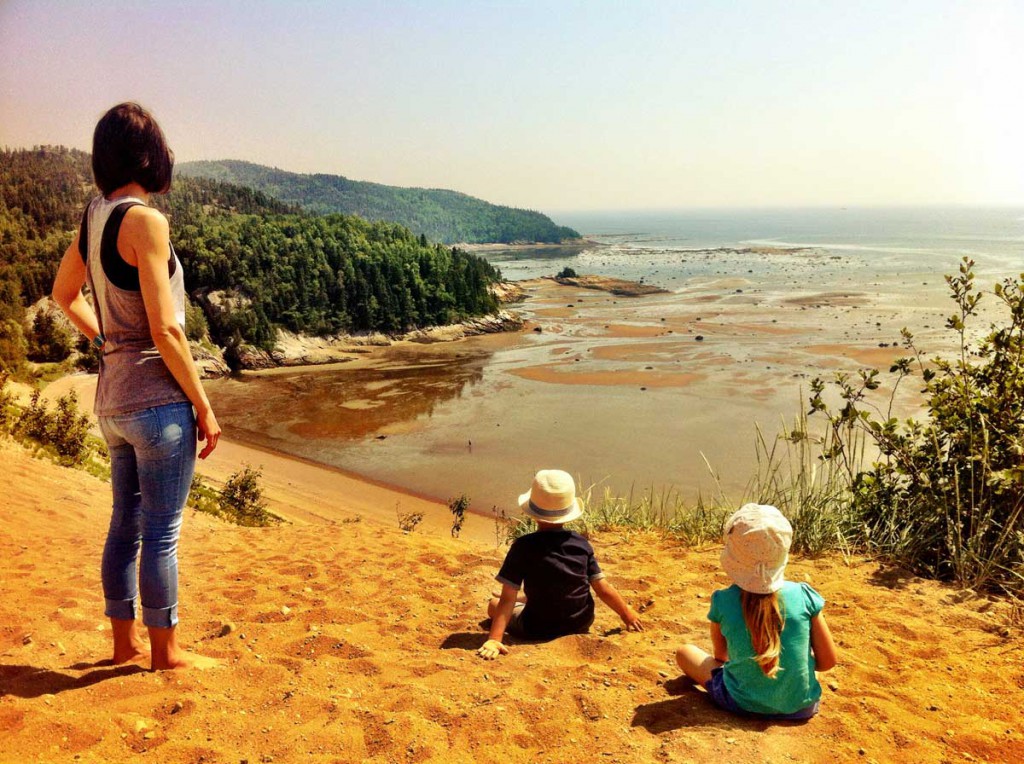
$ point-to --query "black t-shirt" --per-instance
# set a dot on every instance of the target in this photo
(555, 568)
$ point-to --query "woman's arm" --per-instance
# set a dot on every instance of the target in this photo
(610, 596)
(719, 647)
(144, 239)
(825, 654)
(67, 292)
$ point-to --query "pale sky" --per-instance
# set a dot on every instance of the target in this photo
(551, 105)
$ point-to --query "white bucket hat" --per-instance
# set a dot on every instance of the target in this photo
(552, 498)
(757, 539)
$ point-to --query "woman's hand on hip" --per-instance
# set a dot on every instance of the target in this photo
(209, 430)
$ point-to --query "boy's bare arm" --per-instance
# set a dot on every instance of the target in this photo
(610, 596)
(493, 647)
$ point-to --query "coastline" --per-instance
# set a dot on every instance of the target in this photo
(301, 350)
(580, 244)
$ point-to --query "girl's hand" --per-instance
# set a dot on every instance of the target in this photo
(209, 430)
(491, 649)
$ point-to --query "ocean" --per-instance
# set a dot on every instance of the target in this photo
(641, 244)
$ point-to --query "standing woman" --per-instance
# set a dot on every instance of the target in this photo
(149, 400)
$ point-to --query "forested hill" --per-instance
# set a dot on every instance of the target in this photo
(440, 215)
(252, 262)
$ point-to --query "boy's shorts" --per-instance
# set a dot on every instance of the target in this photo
(515, 624)
(720, 695)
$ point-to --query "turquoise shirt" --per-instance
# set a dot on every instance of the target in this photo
(795, 687)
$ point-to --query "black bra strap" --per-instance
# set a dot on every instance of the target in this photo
(83, 235)
(118, 272)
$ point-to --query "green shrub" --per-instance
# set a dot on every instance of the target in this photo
(407, 521)
(88, 355)
(69, 429)
(65, 430)
(196, 327)
(12, 337)
(203, 497)
(458, 509)
(945, 494)
(13, 347)
(567, 273)
(34, 421)
(241, 498)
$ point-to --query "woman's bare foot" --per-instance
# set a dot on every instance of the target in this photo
(186, 660)
(128, 644)
(167, 655)
(137, 653)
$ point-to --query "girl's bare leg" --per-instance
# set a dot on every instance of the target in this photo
(128, 644)
(696, 663)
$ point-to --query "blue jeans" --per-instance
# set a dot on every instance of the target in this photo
(152, 458)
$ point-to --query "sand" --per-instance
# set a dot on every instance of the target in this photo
(347, 640)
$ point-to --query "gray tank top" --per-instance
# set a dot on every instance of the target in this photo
(133, 376)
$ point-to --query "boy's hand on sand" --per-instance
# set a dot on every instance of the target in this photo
(491, 649)
(632, 621)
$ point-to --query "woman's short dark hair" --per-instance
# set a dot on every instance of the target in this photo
(128, 145)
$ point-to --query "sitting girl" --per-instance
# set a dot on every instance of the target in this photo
(768, 634)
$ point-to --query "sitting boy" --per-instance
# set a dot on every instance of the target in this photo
(556, 568)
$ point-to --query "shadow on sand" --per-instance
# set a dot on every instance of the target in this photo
(691, 707)
(31, 682)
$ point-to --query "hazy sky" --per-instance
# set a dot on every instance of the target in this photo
(551, 105)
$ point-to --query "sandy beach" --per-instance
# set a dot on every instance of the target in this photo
(345, 641)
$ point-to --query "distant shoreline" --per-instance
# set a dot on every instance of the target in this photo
(581, 244)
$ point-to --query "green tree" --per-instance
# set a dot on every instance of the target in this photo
(48, 341)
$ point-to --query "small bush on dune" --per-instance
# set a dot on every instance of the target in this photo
(203, 497)
(8, 412)
(458, 507)
(65, 429)
(241, 499)
(407, 521)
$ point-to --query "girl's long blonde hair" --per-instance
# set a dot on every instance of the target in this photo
(764, 619)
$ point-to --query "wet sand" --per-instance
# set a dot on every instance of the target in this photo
(633, 393)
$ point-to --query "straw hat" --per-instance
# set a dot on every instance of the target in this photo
(552, 498)
(757, 539)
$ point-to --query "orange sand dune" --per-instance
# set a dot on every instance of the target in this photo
(350, 642)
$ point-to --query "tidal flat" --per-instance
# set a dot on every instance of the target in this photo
(662, 392)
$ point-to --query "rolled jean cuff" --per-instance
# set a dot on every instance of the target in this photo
(122, 610)
(160, 617)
